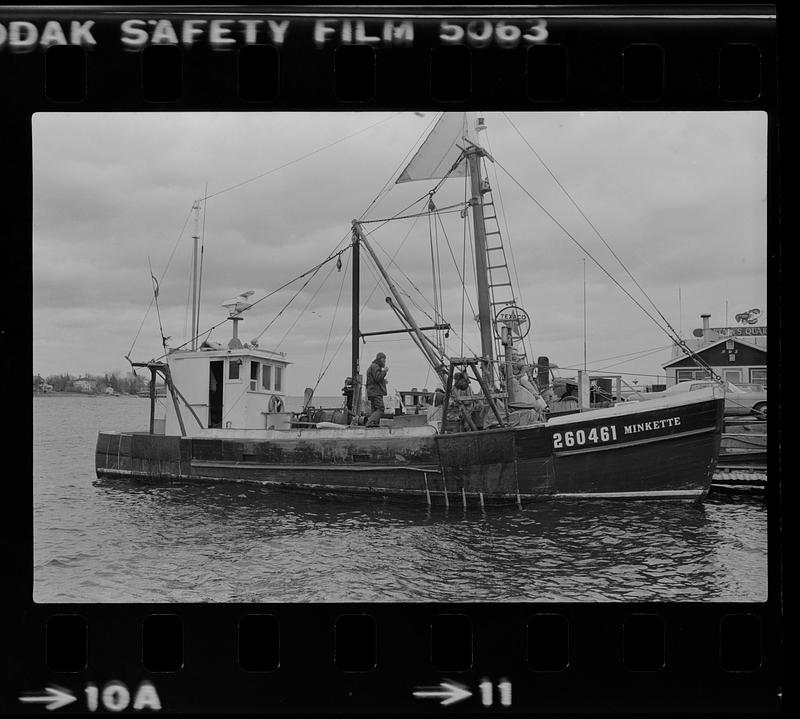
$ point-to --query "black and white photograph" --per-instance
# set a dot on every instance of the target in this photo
(301, 357)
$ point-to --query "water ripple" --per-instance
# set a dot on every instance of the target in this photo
(125, 541)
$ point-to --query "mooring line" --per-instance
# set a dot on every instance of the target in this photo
(427, 491)
(446, 498)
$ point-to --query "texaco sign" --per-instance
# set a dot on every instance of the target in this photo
(515, 318)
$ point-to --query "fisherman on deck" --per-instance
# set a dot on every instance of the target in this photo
(522, 394)
(376, 389)
(519, 370)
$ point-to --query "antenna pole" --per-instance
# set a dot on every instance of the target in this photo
(584, 314)
(202, 252)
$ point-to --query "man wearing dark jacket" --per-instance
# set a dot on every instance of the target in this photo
(376, 389)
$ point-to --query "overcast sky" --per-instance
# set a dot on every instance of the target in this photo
(680, 197)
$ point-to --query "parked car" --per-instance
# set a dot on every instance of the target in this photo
(751, 387)
(737, 400)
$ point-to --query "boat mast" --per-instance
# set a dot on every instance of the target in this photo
(196, 238)
(473, 154)
(356, 302)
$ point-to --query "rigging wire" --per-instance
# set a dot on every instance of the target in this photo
(285, 307)
(631, 354)
(333, 321)
(464, 266)
(527, 340)
(381, 282)
(364, 304)
(403, 162)
(308, 304)
(633, 359)
(431, 208)
(207, 196)
(278, 289)
(169, 260)
(155, 299)
(450, 209)
(585, 251)
(588, 221)
(188, 301)
(441, 336)
(202, 252)
(675, 336)
(303, 157)
(455, 264)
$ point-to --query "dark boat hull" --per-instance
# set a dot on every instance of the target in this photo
(666, 453)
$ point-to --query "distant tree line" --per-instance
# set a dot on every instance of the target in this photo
(121, 383)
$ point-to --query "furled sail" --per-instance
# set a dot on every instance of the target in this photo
(439, 151)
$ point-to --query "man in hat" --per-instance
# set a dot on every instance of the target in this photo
(376, 389)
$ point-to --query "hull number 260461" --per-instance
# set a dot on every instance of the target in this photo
(581, 437)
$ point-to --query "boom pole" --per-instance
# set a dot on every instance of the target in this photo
(432, 359)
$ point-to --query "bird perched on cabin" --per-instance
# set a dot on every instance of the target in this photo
(239, 303)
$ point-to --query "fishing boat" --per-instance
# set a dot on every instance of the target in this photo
(227, 418)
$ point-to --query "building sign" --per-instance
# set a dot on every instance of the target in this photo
(735, 331)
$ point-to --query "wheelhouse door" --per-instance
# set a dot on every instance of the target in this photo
(215, 393)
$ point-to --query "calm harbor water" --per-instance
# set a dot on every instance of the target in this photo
(117, 541)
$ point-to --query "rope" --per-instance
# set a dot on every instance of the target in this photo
(308, 304)
(590, 223)
(455, 264)
(303, 157)
(674, 336)
(449, 209)
(202, 252)
(172, 254)
(155, 299)
(268, 295)
(527, 340)
(388, 183)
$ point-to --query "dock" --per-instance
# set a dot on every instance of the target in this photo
(742, 465)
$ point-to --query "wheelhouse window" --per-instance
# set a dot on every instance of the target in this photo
(233, 368)
(278, 376)
(266, 376)
(254, 375)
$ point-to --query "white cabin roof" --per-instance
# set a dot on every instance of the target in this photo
(254, 353)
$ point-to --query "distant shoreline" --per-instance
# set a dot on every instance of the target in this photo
(83, 394)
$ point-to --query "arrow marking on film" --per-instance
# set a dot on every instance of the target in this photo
(55, 698)
(450, 693)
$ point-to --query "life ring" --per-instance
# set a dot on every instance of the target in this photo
(275, 404)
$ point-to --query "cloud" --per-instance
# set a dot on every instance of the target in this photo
(678, 196)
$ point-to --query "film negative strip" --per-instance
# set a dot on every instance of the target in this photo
(464, 525)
